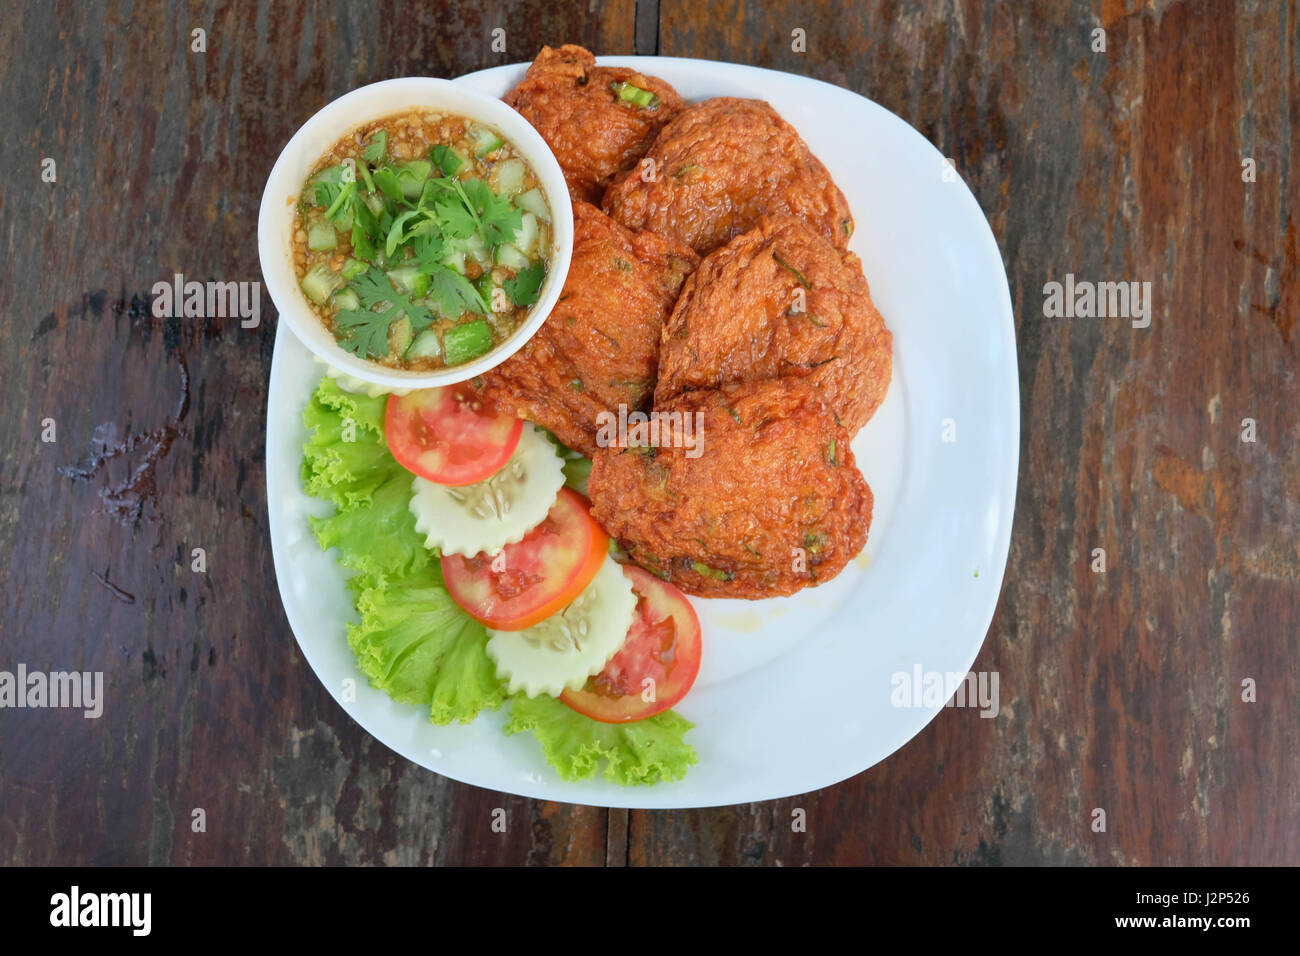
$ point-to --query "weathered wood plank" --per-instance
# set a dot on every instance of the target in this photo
(161, 155)
(1120, 691)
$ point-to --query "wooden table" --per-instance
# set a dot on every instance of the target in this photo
(1120, 691)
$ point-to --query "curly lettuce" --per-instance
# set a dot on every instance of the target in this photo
(413, 642)
(644, 752)
(416, 644)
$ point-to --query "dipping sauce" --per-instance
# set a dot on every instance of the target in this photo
(422, 240)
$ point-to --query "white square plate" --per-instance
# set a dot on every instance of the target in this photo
(794, 694)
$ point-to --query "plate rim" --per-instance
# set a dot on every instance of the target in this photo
(667, 795)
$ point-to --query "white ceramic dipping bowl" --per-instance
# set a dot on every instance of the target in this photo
(275, 221)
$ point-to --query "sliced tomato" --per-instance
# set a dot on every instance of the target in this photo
(526, 582)
(663, 646)
(448, 435)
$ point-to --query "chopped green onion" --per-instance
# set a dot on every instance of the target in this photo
(709, 572)
(635, 95)
(345, 194)
(797, 274)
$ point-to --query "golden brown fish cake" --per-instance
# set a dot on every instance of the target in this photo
(780, 301)
(599, 347)
(719, 167)
(773, 502)
(593, 133)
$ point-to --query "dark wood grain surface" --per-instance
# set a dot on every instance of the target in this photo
(1120, 691)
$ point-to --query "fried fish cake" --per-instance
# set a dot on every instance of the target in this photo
(780, 300)
(599, 347)
(719, 167)
(767, 501)
(594, 132)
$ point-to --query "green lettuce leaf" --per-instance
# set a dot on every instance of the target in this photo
(378, 541)
(418, 646)
(644, 752)
(347, 461)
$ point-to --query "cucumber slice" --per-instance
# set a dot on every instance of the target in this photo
(511, 258)
(345, 300)
(485, 140)
(526, 234)
(455, 258)
(343, 223)
(376, 203)
(399, 336)
(411, 177)
(567, 648)
(425, 345)
(408, 279)
(320, 282)
(508, 177)
(321, 236)
(446, 159)
(353, 268)
(476, 249)
(494, 512)
(485, 287)
(465, 342)
(533, 201)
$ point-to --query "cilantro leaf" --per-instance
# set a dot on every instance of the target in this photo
(382, 305)
(522, 289)
(428, 248)
(395, 235)
(327, 185)
(386, 180)
(375, 151)
(498, 220)
(452, 293)
(456, 219)
(365, 227)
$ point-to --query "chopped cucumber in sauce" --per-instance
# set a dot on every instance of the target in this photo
(466, 342)
(321, 236)
(406, 231)
(320, 282)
